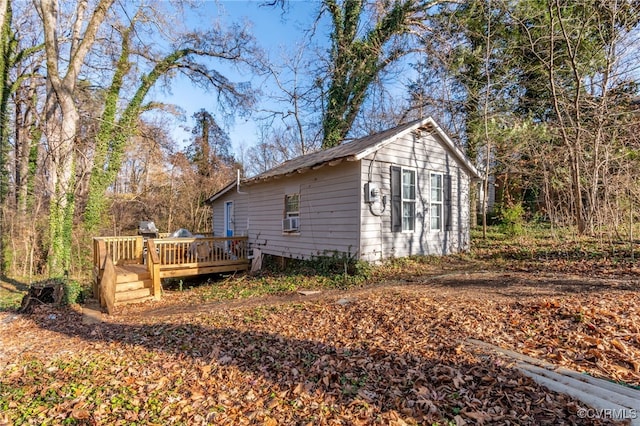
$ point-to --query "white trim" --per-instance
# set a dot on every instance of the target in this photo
(221, 192)
(438, 203)
(458, 153)
(382, 144)
(426, 123)
(228, 219)
(292, 214)
(403, 200)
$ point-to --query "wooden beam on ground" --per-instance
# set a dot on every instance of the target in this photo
(616, 402)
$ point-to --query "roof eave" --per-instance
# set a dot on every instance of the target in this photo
(220, 193)
(316, 166)
(457, 151)
(431, 123)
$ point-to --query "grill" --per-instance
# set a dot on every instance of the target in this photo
(147, 229)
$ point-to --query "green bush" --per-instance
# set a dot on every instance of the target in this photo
(512, 219)
(74, 292)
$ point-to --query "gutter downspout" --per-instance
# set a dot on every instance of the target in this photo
(238, 182)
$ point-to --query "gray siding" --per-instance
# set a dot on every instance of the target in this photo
(334, 216)
(329, 218)
(424, 155)
(239, 217)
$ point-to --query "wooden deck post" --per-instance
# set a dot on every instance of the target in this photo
(153, 263)
(139, 248)
(99, 257)
(108, 286)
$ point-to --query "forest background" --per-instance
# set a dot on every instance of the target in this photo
(541, 94)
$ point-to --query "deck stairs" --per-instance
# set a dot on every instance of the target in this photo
(133, 285)
(127, 269)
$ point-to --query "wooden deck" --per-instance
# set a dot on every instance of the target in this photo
(129, 270)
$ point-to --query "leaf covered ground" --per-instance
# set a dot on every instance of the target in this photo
(392, 351)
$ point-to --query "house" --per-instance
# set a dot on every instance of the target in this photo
(401, 192)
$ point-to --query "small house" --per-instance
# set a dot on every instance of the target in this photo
(400, 192)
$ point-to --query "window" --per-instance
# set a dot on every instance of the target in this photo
(403, 199)
(408, 199)
(291, 220)
(291, 205)
(436, 202)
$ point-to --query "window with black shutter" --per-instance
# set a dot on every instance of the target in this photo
(448, 222)
(436, 202)
(396, 199)
(403, 199)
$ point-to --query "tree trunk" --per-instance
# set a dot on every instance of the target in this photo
(5, 88)
(61, 131)
(61, 121)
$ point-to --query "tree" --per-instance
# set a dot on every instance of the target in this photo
(117, 127)
(6, 47)
(211, 147)
(295, 126)
(17, 83)
(61, 117)
(274, 147)
(360, 52)
(578, 48)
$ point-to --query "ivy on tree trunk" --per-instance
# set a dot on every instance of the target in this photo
(357, 60)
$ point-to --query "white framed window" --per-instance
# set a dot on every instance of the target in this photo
(435, 202)
(408, 200)
(291, 219)
(291, 205)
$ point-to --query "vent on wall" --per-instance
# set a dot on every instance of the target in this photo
(290, 224)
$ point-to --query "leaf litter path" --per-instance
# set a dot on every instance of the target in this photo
(393, 353)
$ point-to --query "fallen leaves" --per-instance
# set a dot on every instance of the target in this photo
(392, 355)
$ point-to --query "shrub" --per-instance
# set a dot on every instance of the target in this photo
(74, 292)
(342, 269)
(512, 219)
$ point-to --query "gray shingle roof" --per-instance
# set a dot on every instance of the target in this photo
(346, 151)
(353, 150)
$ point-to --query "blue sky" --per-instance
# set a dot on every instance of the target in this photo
(275, 31)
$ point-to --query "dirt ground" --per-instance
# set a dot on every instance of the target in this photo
(471, 285)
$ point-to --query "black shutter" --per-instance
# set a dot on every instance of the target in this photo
(396, 199)
(448, 222)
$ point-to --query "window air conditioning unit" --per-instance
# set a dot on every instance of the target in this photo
(290, 224)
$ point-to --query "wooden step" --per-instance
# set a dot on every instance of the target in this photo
(133, 272)
(132, 285)
(129, 296)
(133, 292)
(129, 276)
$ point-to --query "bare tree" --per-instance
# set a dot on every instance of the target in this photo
(578, 47)
(298, 91)
(117, 126)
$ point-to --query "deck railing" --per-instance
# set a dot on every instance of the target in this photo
(202, 250)
(171, 251)
(165, 257)
(121, 249)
